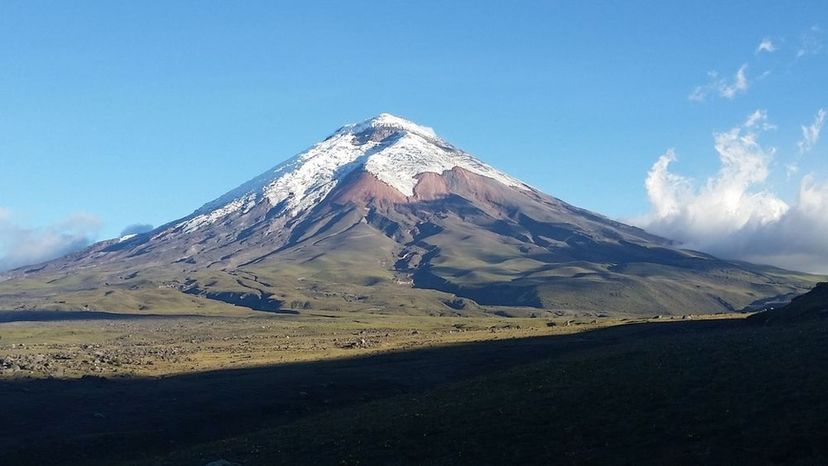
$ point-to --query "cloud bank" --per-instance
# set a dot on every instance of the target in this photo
(732, 214)
(21, 245)
(136, 229)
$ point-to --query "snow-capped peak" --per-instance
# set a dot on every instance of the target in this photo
(393, 122)
(393, 149)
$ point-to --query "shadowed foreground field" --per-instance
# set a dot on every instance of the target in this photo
(688, 392)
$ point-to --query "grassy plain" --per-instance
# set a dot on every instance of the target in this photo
(345, 388)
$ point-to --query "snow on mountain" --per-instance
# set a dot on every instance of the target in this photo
(393, 149)
(389, 121)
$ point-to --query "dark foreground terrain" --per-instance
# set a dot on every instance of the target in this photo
(686, 392)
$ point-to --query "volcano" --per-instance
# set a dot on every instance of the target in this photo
(386, 216)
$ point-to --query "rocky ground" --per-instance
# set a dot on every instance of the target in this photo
(60, 360)
(155, 347)
(100, 391)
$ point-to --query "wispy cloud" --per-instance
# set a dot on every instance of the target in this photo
(727, 88)
(136, 228)
(791, 169)
(732, 213)
(810, 133)
(759, 119)
(20, 245)
(810, 42)
(766, 45)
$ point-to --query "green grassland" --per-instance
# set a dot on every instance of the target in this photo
(333, 277)
(343, 263)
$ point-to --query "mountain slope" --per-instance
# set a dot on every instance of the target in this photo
(811, 306)
(385, 215)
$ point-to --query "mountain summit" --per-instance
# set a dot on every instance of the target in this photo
(392, 150)
(385, 215)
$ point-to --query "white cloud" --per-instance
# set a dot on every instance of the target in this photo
(798, 240)
(732, 214)
(810, 133)
(759, 119)
(723, 87)
(20, 245)
(791, 169)
(738, 85)
(810, 43)
(766, 45)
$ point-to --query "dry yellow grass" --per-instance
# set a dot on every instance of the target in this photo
(149, 347)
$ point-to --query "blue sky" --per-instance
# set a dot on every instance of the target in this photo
(116, 113)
